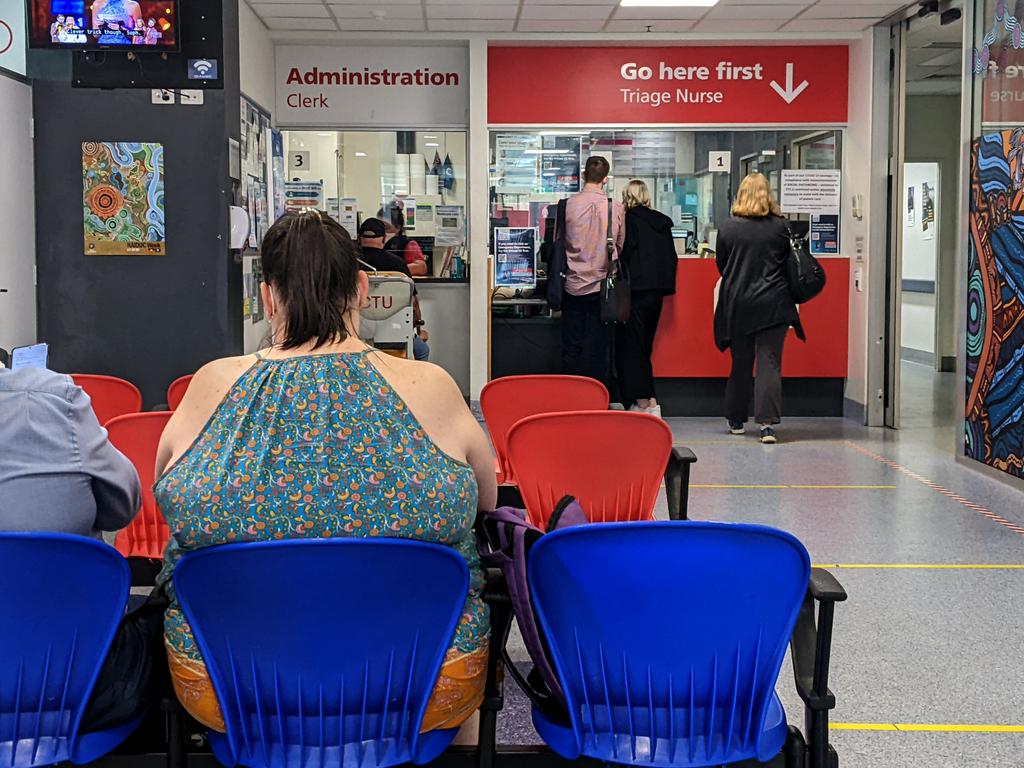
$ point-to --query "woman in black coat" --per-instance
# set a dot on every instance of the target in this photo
(649, 256)
(755, 309)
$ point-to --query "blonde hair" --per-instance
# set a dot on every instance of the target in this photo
(755, 198)
(636, 194)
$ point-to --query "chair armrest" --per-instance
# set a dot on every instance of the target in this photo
(683, 454)
(811, 643)
(677, 481)
(824, 587)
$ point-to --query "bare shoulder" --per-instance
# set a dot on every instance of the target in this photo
(419, 379)
(218, 376)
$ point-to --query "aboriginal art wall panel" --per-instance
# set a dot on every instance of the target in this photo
(995, 303)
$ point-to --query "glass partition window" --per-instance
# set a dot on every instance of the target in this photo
(532, 170)
(366, 174)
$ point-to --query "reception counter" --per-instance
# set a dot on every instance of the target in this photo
(689, 368)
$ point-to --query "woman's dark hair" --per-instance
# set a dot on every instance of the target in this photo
(312, 263)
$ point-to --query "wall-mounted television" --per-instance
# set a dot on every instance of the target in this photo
(89, 25)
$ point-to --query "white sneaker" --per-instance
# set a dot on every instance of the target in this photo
(616, 407)
(655, 410)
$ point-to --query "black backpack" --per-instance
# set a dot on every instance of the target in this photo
(557, 261)
(804, 273)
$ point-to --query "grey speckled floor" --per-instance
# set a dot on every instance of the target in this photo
(915, 646)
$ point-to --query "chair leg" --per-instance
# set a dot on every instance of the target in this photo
(795, 750)
(494, 699)
(177, 749)
(820, 752)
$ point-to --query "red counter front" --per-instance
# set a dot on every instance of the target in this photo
(685, 346)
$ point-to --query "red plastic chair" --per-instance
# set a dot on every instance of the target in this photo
(511, 399)
(612, 462)
(176, 392)
(137, 436)
(111, 397)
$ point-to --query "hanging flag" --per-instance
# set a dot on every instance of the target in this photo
(436, 169)
(448, 173)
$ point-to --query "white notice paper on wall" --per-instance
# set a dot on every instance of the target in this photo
(817, 192)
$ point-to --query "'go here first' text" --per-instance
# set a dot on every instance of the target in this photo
(723, 71)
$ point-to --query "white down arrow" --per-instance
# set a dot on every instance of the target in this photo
(789, 93)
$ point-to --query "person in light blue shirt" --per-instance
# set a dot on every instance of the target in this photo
(58, 471)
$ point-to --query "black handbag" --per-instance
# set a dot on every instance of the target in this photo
(804, 273)
(557, 261)
(615, 290)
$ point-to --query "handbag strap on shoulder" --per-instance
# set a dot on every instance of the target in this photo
(611, 236)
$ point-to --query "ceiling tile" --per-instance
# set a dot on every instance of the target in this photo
(782, 12)
(390, 11)
(580, 12)
(472, 25)
(737, 25)
(474, 11)
(802, 3)
(849, 11)
(830, 25)
(659, 13)
(293, 10)
(384, 25)
(553, 25)
(656, 25)
(317, 25)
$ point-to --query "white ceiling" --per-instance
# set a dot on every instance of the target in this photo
(934, 57)
(567, 16)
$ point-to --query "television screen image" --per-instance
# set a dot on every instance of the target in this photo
(104, 24)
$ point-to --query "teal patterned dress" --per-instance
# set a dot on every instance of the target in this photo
(316, 447)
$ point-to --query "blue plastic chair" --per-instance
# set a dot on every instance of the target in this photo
(668, 639)
(324, 652)
(61, 598)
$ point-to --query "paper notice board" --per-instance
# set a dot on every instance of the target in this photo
(817, 193)
(515, 257)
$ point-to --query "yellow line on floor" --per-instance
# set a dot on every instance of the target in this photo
(927, 727)
(929, 566)
(732, 486)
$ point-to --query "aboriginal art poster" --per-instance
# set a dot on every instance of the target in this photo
(123, 194)
(995, 303)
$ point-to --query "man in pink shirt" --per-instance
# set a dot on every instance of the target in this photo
(584, 336)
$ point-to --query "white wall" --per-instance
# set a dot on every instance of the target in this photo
(917, 323)
(256, 72)
(17, 217)
(933, 135)
(13, 35)
(255, 58)
(920, 256)
(858, 181)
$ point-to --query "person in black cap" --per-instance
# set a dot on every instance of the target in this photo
(372, 234)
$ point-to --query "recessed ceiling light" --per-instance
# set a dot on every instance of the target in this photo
(360, 154)
(432, 144)
(668, 3)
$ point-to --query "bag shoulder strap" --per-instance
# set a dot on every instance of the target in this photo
(611, 235)
(560, 220)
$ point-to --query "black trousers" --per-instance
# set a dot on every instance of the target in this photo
(634, 346)
(584, 337)
(134, 675)
(764, 347)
